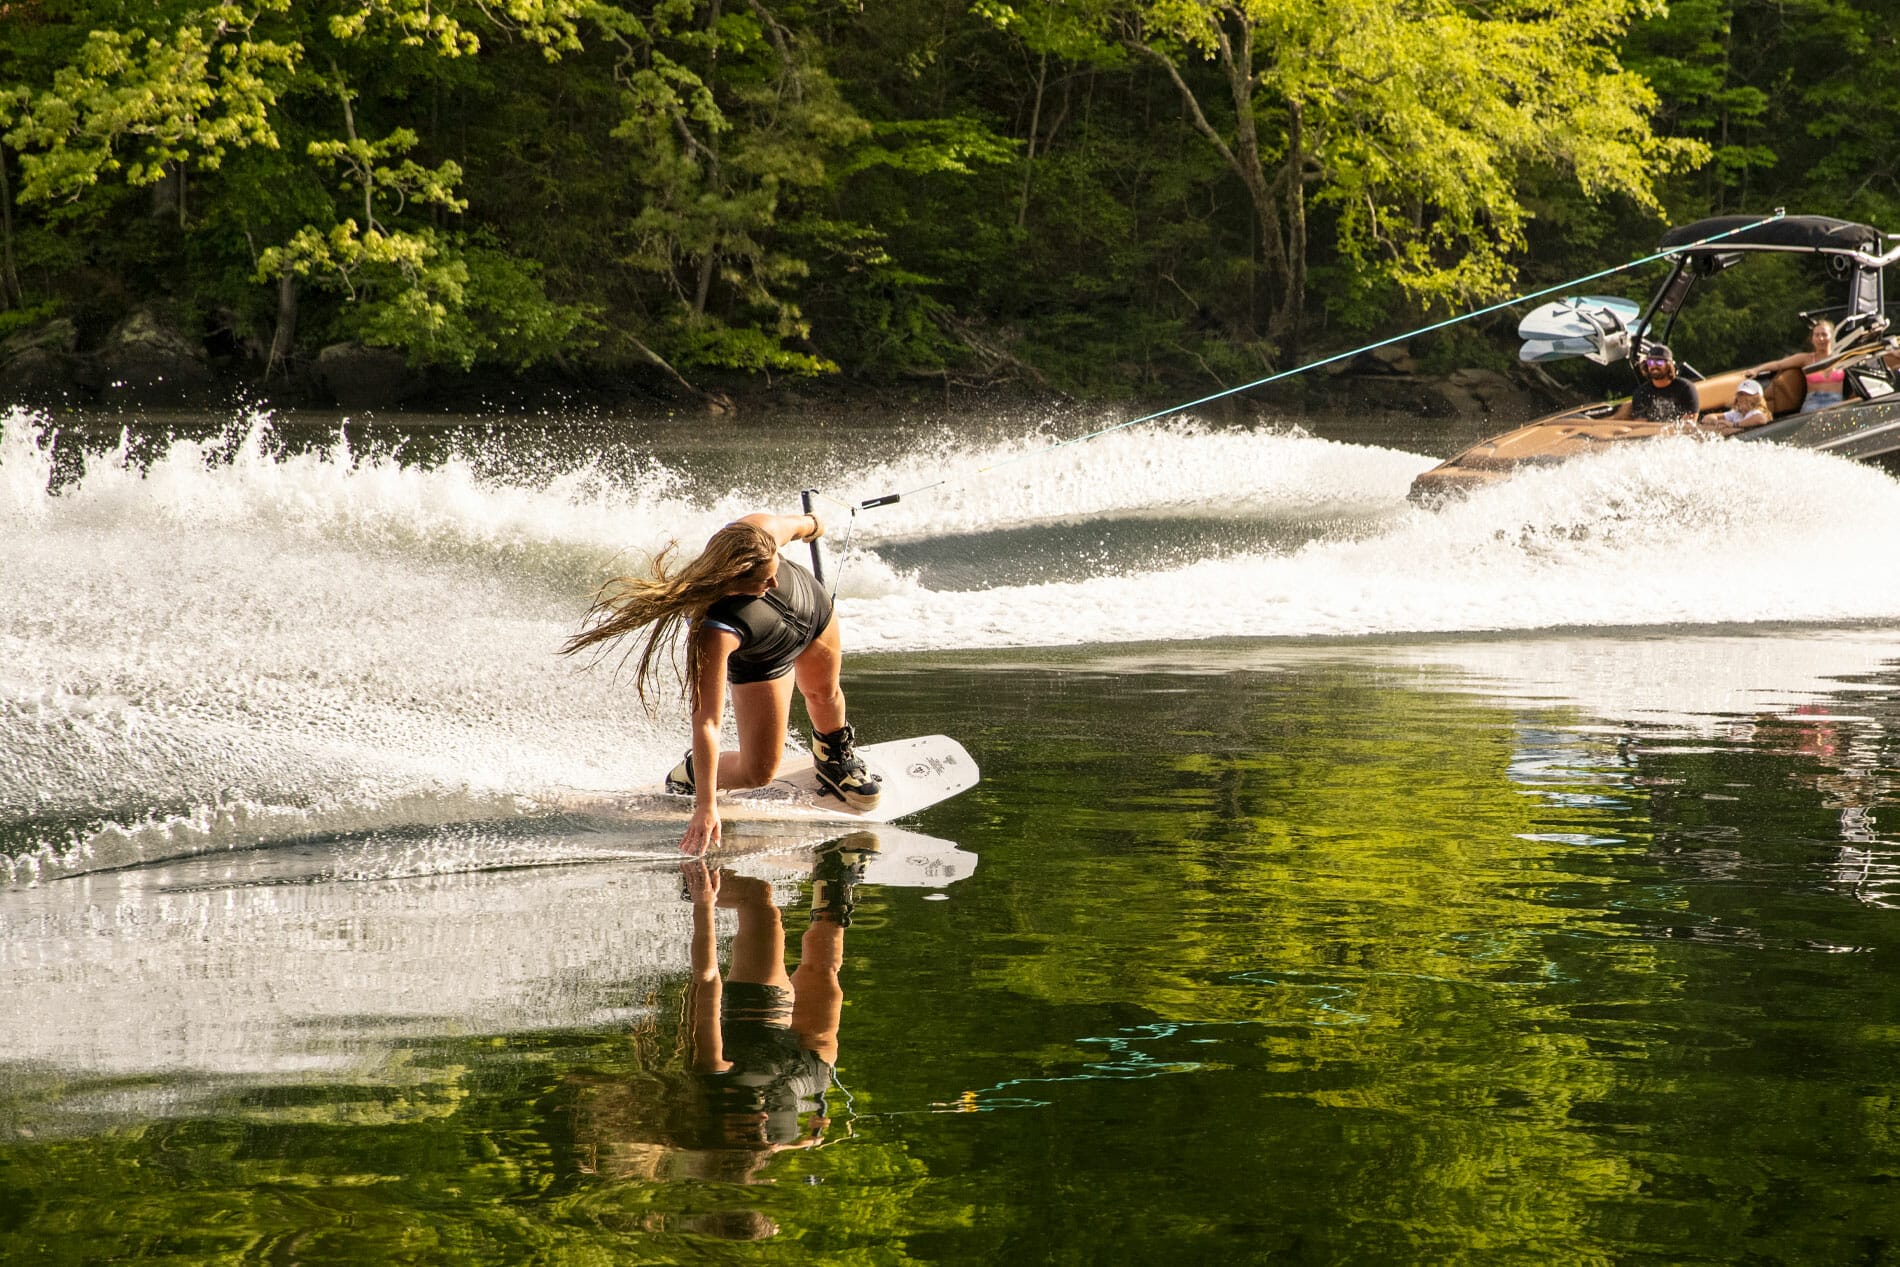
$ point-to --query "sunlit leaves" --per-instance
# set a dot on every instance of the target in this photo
(926, 146)
(363, 164)
(438, 301)
(189, 93)
(1106, 191)
(345, 252)
(1418, 120)
(450, 29)
(736, 120)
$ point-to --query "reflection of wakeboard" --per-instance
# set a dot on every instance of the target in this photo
(916, 774)
(891, 856)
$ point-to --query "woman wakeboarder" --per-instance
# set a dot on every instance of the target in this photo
(755, 621)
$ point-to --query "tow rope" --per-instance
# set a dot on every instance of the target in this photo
(890, 499)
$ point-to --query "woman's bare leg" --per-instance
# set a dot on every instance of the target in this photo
(817, 672)
(760, 711)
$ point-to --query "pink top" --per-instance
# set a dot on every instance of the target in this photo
(1826, 380)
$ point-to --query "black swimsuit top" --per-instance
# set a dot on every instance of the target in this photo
(775, 626)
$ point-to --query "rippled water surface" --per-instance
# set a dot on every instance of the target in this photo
(1347, 882)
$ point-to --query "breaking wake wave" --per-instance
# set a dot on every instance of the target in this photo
(1673, 532)
(236, 641)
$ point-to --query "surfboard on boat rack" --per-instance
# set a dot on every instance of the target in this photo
(1581, 317)
(916, 774)
(1555, 349)
(1596, 327)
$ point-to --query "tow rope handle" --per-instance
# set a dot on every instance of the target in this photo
(817, 551)
(806, 499)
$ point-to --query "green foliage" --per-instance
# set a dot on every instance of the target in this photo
(14, 320)
(440, 302)
(140, 102)
(1420, 164)
(1097, 195)
(712, 343)
(729, 160)
(922, 147)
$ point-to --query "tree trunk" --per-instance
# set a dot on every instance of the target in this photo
(1029, 156)
(1285, 267)
(365, 171)
(168, 195)
(1284, 272)
(285, 336)
(1293, 305)
(702, 287)
(10, 293)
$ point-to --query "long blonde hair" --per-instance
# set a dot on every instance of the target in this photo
(668, 600)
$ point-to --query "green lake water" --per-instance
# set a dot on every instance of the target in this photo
(1555, 945)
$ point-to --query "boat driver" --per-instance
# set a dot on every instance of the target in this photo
(1660, 396)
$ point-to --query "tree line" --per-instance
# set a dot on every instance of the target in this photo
(1098, 196)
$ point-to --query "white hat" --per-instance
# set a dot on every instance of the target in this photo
(1748, 387)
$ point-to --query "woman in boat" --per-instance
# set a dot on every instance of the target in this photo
(1826, 386)
(755, 621)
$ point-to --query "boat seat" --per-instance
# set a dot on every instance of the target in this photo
(1785, 391)
(1717, 392)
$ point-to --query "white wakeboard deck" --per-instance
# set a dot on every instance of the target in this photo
(916, 774)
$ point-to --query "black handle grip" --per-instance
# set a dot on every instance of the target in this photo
(817, 553)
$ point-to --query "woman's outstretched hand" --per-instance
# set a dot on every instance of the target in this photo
(703, 832)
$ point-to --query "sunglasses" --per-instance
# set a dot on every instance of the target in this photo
(1658, 367)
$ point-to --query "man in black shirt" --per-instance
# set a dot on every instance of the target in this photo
(1660, 396)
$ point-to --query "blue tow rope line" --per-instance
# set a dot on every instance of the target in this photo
(890, 498)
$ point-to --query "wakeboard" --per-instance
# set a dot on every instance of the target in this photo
(915, 773)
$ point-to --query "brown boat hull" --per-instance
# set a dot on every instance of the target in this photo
(1866, 430)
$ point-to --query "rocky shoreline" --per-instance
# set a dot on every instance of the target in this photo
(144, 360)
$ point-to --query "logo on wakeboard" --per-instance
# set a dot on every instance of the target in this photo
(929, 766)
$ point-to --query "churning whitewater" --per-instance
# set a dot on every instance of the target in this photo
(236, 642)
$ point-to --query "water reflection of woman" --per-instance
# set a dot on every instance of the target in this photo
(758, 1044)
(763, 1041)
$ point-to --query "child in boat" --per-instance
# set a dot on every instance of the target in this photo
(1749, 409)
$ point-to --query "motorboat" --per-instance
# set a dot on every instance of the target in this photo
(1865, 425)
